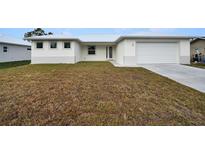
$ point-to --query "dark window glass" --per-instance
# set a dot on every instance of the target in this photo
(39, 45)
(53, 45)
(110, 52)
(29, 49)
(91, 50)
(5, 48)
(106, 52)
(66, 44)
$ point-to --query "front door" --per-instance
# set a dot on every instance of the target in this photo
(109, 52)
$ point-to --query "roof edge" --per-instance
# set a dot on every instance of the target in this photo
(33, 39)
(116, 41)
(154, 37)
(198, 38)
(15, 44)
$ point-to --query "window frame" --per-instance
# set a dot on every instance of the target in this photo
(56, 45)
(5, 50)
(92, 50)
(37, 45)
(65, 43)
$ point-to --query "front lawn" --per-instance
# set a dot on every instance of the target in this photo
(95, 93)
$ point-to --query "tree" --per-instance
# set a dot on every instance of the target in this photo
(37, 32)
(50, 33)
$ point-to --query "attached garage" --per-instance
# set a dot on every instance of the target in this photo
(151, 53)
(136, 50)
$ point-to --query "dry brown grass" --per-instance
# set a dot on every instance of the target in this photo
(95, 93)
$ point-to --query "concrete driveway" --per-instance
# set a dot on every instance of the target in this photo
(186, 75)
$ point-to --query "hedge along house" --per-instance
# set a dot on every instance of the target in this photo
(14, 50)
(124, 51)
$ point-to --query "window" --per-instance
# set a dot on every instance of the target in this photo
(39, 45)
(66, 44)
(29, 49)
(91, 50)
(5, 48)
(53, 45)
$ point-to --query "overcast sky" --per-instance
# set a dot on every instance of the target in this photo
(76, 32)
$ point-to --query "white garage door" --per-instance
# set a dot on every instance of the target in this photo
(148, 53)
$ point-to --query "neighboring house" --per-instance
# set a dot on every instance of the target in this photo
(125, 50)
(14, 50)
(198, 47)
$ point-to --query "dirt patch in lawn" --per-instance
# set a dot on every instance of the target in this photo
(95, 93)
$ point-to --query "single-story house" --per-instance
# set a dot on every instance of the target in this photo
(14, 50)
(125, 50)
(198, 47)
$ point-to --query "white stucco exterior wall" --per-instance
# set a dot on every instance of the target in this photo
(130, 47)
(77, 51)
(124, 52)
(49, 55)
(130, 52)
(14, 53)
(185, 53)
(114, 52)
(119, 53)
(100, 53)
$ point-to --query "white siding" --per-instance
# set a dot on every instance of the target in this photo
(14, 53)
(100, 54)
